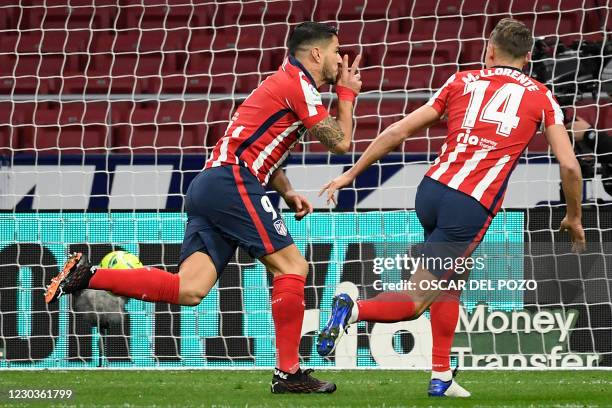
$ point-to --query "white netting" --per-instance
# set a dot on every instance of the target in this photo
(109, 107)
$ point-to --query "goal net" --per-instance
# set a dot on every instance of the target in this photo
(108, 109)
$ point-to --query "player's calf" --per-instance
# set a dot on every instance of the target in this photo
(289, 268)
(387, 307)
(146, 283)
(197, 276)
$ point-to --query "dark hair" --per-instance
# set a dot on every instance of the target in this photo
(308, 33)
(512, 37)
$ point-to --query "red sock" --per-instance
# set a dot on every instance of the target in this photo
(288, 315)
(444, 314)
(149, 284)
(388, 307)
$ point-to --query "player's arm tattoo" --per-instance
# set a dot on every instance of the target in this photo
(328, 132)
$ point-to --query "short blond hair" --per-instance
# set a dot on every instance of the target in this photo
(512, 37)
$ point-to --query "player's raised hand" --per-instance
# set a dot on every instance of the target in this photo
(336, 184)
(298, 203)
(576, 233)
(349, 76)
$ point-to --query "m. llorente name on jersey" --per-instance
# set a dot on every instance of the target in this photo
(523, 79)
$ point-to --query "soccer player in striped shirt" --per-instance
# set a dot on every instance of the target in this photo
(492, 115)
(227, 204)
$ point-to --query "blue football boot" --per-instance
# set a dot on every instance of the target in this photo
(337, 325)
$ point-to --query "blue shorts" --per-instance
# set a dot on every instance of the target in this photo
(454, 224)
(227, 208)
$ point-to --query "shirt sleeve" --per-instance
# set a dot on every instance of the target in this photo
(552, 113)
(305, 101)
(439, 100)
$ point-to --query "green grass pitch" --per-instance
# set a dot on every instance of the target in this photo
(355, 389)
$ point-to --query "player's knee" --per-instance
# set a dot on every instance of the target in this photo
(420, 306)
(419, 309)
(296, 266)
(191, 300)
(192, 296)
(300, 267)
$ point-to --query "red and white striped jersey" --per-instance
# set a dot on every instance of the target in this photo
(270, 122)
(492, 115)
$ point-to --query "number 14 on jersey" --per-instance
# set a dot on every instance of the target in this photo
(501, 109)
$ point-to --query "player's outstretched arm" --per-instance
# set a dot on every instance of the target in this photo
(297, 202)
(384, 143)
(571, 180)
(336, 133)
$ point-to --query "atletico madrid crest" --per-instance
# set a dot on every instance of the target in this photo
(280, 227)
